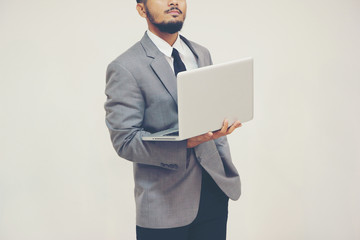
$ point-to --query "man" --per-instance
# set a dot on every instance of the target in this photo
(181, 188)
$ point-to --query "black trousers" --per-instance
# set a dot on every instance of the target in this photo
(209, 224)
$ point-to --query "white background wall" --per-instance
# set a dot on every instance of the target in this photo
(299, 158)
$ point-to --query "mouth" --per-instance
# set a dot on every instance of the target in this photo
(173, 11)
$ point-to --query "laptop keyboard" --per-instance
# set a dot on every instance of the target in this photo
(172, 134)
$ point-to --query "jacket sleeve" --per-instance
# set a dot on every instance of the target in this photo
(125, 109)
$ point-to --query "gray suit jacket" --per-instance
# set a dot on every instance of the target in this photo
(142, 98)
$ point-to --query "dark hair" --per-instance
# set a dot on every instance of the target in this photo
(141, 1)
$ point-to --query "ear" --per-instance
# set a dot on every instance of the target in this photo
(141, 10)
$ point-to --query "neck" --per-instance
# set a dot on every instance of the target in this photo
(167, 37)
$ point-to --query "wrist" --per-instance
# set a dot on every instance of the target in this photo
(190, 144)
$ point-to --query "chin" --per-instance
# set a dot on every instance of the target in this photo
(170, 27)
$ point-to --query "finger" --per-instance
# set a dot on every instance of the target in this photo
(225, 126)
(235, 125)
(208, 135)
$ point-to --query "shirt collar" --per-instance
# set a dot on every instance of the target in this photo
(164, 47)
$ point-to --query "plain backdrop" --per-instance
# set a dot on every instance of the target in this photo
(299, 159)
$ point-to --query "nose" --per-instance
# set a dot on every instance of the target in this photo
(173, 3)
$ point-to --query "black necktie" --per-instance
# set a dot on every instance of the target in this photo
(179, 66)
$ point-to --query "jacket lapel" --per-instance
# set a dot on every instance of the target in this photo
(165, 74)
(161, 67)
(200, 61)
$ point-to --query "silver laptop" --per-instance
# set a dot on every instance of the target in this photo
(207, 96)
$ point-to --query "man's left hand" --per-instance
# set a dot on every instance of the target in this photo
(225, 130)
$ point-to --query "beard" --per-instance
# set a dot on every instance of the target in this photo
(165, 27)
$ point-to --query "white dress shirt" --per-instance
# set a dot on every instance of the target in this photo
(185, 53)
